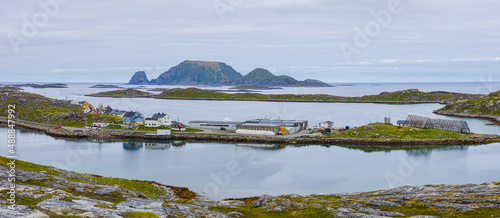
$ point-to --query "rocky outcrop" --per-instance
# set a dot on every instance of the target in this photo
(218, 73)
(485, 107)
(139, 78)
(263, 77)
(197, 73)
(43, 191)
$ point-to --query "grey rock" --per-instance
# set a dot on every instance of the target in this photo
(235, 214)
(263, 200)
(379, 212)
(107, 190)
(140, 203)
(19, 211)
(378, 203)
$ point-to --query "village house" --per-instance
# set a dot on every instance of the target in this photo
(157, 120)
(326, 124)
(163, 119)
(133, 118)
(178, 126)
(151, 122)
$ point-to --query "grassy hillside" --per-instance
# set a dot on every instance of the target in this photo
(486, 105)
(37, 108)
(379, 130)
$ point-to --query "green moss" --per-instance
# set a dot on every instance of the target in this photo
(413, 209)
(182, 201)
(22, 165)
(250, 211)
(69, 198)
(103, 205)
(139, 215)
(481, 212)
(143, 187)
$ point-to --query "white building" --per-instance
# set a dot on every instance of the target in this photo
(163, 118)
(218, 125)
(102, 125)
(271, 127)
(163, 132)
(326, 124)
(151, 122)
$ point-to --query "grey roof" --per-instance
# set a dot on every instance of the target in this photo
(276, 122)
(158, 115)
(263, 124)
(223, 122)
(327, 122)
(150, 119)
(130, 114)
(401, 122)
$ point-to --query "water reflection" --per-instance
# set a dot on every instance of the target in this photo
(262, 146)
(427, 151)
(157, 145)
(132, 145)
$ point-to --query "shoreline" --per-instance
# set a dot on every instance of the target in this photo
(269, 100)
(493, 118)
(131, 135)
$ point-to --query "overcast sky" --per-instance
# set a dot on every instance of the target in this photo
(108, 41)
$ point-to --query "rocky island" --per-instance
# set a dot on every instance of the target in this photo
(397, 97)
(485, 107)
(217, 74)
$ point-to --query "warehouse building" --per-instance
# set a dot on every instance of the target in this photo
(271, 127)
(219, 125)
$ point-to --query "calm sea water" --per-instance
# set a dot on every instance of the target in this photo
(228, 170)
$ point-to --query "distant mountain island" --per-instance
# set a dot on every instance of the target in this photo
(218, 73)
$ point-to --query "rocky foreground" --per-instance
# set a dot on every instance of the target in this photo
(49, 192)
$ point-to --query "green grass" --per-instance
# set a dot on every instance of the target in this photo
(40, 109)
(487, 105)
(139, 215)
(103, 205)
(22, 165)
(388, 131)
(69, 198)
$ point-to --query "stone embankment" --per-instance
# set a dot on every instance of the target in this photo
(141, 135)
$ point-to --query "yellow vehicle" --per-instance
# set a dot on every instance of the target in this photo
(283, 131)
